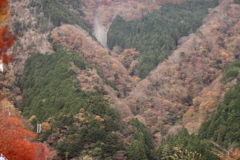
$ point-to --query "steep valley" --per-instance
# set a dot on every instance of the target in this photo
(90, 96)
(176, 88)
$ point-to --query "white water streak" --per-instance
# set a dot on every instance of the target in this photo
(99, 31)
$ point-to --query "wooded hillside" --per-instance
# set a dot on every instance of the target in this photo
(166, 88)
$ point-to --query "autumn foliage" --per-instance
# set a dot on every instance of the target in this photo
(41, 151)
(6, 41)
(184, 86)
(15, 138)
(3, 10)
(6, 37)
(94, 53)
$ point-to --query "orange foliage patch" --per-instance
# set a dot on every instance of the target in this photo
(6, 37)
(42, 151)
(15, 138)
(6, 41)
(3, 10)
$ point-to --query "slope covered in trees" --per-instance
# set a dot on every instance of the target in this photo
(74, 94)
(16, 139)
(50, 86)
(223, 127)
(156, 34)
(51, 89)
(76, 120)
(59, 12)
(141, 146)
(185, 89)
(95, 54)
(185, 146)
(219, 135)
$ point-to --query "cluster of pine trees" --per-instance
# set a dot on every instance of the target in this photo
(51, 89)
(156, 34)
(218, 137)
(58, 13)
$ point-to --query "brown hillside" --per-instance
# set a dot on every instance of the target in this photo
(186, 86)
(183, 90)
(128, 9)
(31, 38)
(79, 40)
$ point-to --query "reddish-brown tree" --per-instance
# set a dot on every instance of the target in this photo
(6, 37)
(3, 10)
(6, 41)
(42, 152)
(15, 138)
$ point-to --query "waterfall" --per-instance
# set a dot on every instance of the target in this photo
(99, 31)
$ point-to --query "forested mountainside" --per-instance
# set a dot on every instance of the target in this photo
(17, 141)
(170, 23)
(220, 134)
(120, 79)
(186, 86)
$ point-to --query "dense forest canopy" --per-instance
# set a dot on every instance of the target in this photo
(78, 89)
(51, 89)
(219, 135)
(156, 34)
(58, 13)
(50, 85)
(223, 127)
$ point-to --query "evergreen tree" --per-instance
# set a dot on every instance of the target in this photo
(156, 34)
